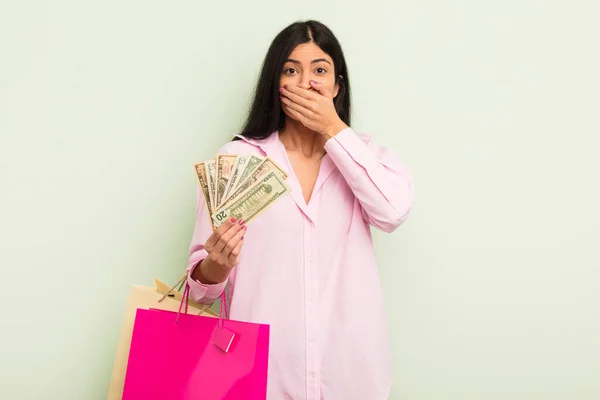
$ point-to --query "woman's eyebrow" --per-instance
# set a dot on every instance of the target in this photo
(312, 62)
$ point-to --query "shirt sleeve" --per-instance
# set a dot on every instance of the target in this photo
(380, 182)
(199, 292)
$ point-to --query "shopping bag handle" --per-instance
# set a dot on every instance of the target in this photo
(180, 282)
(221, 337)
(223, 311)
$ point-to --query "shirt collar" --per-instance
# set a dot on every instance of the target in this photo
(268, 144)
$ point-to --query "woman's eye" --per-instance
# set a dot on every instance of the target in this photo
(321, 70)
(290, 70)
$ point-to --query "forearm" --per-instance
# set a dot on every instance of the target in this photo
(377, 178)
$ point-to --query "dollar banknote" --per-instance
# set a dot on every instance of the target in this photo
(224, 168)
(203, 183)
(243, 166)
(210, 177)
(227, 178)
(252, 163)
(265, 166)
(238, 168)
(254, 200)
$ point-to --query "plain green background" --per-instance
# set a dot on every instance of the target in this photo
(492, 285)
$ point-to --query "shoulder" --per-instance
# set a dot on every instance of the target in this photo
(364, 137)
(242, 146)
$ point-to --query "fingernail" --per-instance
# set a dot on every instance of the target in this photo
(241, 222)
(232, 220)
(285, 86)
(245, 227)
(280, 90)
(314, 82)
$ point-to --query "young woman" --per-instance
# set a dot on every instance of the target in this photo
(306, 266)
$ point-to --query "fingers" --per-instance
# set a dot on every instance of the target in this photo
(222, 244)
(220, 231)
(237, 241)
(319, 87)
(296, 107)
(295, 114)
(300, 96)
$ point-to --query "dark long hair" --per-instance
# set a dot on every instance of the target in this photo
(266, 115)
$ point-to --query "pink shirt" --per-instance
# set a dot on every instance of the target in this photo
(309, 270)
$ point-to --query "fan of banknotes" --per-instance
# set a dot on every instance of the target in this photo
(239, 186)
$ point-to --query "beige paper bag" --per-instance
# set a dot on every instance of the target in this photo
(145, 297)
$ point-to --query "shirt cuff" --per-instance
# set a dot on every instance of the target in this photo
(202, 291)
(348, 141)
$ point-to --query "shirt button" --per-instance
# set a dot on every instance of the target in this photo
(314, 375)
(312, 340)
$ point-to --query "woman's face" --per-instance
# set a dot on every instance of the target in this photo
(308, 62)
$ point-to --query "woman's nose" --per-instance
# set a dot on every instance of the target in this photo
(304, 82)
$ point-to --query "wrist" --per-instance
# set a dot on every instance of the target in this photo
(209, 272)
(334, 129)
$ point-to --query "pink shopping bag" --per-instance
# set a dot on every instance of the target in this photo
(180, 356)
